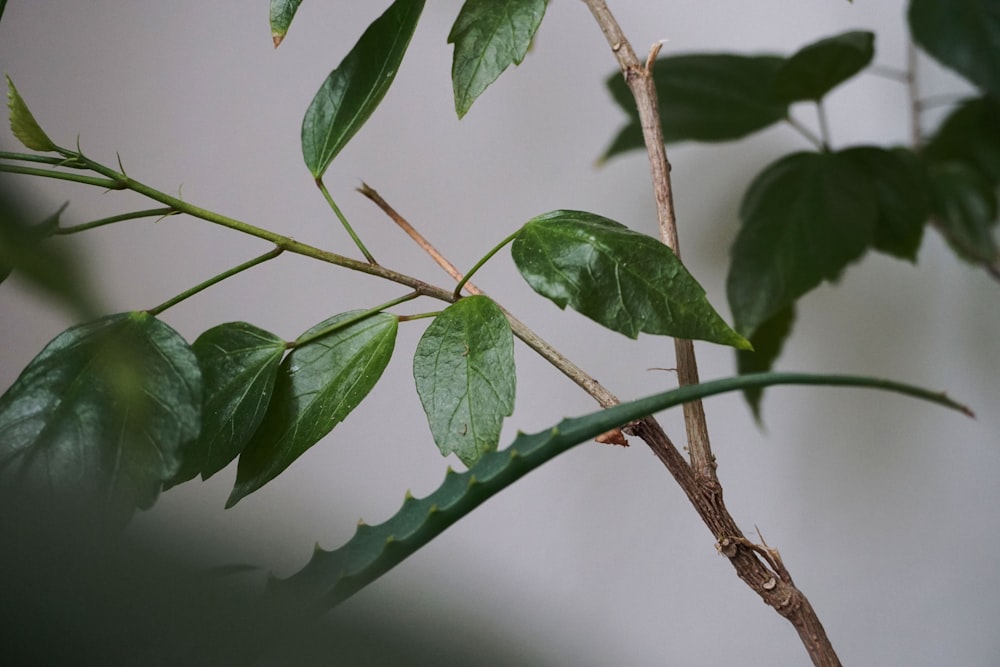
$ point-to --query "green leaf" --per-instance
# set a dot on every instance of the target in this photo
(820, 67)
(99, 418)
(964, 204)
(804, 218)
(962, 35)
(331, 577)
(351, 93)
(970, 134)
(900, 183)
(626, 281)
(282, 13)
(464, 370)
(704, 97)
(318, 385)
(239, 365)
(489, 35)
(767, 341)
(23, 124)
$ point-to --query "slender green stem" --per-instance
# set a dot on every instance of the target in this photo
(824, 125)
(62, 176)
(419, 316)
(214, 280)
(343, 221)
(31, 157)
(135, 215)
(804, 131)
(343, 324)
(479, 264)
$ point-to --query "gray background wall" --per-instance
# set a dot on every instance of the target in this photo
(883, 508)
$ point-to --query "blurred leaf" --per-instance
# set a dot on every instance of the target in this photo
(23, 124)
(963, 35)
(99, 418)
(804, 218)
(964, 203)
(489, 35)
(282, 13)
(704, 97)
(318, 385)
(353, 91)
(768, 341)
(900, 183)
(626, 281)
(239, 364)
(820, 67)
(464, 370)
(970, 134)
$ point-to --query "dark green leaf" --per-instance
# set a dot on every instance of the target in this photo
(318, 385)
(23, 124)
(705, 97)
(970, 134)
(464, 370)
(624, 280)
(239, 364)
(351, 93)
(964, 203)
(767, 341)
(900, 183)
(804, 218)
(963, 35)
(820, 67)
(99, 418)
(489, 35)
(282, 13)
(333, 576)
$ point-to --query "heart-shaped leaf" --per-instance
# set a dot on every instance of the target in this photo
(282, 13)
(239, 364)
(626, 281)
(804, 218)
(99, 418)
(23, 124)
(352, 92)
(962, 35)
(318, 385)
(464, 370)
(820, 67)
(489, 36)
(964, 203)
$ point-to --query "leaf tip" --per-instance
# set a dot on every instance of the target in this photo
(23, 125)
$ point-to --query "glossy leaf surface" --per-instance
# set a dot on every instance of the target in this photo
(626, 281)
(464, 370)
(352, 92)
(239, 364)
(965, 205)
(331, 577)
(282, 13)
(318, 385)
(804, 218)
(489, 36)
(99, 418)
(23, 124)
(963, 35)
(970, 134)
(820, 67)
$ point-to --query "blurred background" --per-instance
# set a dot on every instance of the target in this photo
(882, 507)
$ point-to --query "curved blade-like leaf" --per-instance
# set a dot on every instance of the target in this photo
(333, 576)
(900, 183)
(489, 35)
(99, 418)
(805, 217)
(705, 97)
(464, 370)
(820, 67)
(352, 92)
(23, 124)
(239, 364)
(318, 385)
(965, 205)
(626, 281)
(970, 134)
(282, 13)
(962, 35)
(767, 343)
